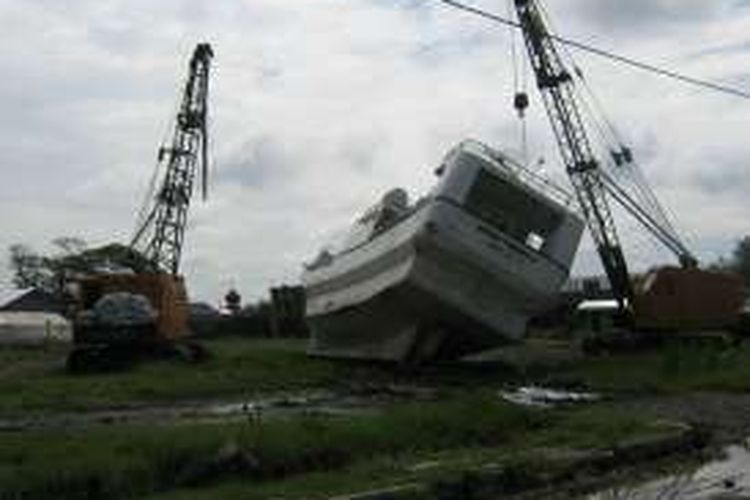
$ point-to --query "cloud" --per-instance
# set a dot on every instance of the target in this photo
(638, 16)
(259, 164)
(319, 106)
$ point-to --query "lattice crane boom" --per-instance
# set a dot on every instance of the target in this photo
(160, 237)
(556, 86)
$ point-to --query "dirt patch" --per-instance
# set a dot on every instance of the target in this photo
(544, 473)
(354, 400)
(724, 415)
(726, 477)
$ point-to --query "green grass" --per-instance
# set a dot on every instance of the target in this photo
(35, 380)
(673, 369)
(374, 474)
(302, 454)
(132, 461)
(523, 456)
(127, 461)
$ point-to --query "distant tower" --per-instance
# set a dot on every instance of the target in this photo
(233, 301)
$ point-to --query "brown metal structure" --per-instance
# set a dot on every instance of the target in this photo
(165, 292)
(687, 300)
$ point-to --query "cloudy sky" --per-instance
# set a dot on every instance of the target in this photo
(318, 106)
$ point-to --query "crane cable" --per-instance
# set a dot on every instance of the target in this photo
(632, 185)
(521, 101)
(628, 171)
(725, 89)
(611, 140)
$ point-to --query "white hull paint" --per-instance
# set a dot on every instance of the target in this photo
(440, 282)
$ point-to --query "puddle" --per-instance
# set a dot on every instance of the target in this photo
(541, 397)
(727, 478)
(184, 411)
(256, 406)
(322, 402)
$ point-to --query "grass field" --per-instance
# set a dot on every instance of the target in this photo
(672, 369)
(310, 455)
(34, 380)
(131, 461)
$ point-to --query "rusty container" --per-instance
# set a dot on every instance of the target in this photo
(166, 293)
(676, 299)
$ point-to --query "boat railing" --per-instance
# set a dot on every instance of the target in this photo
(536, 181)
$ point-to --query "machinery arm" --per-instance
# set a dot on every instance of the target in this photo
(654, 224)
(161, 235)
(556, 86)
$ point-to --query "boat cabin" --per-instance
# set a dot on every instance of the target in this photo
(509, 198)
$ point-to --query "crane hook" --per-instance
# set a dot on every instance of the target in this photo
(521, 103)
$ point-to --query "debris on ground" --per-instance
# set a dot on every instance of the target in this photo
(541, 397)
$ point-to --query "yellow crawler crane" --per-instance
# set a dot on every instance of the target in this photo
(121, 317)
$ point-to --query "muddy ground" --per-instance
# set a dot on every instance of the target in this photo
(721, 416)
(725, 416)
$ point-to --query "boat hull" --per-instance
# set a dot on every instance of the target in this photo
(440, 284)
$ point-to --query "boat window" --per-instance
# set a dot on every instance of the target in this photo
(511, 209)
(535, 241)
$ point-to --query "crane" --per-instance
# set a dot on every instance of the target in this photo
(161, 234)
(674, 298)
(122, 317)
(591, 183)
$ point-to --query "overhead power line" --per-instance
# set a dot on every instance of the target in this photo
(606, 54)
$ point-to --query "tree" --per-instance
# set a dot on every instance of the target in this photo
(70, 245)
(30, 270)
(72, 258)
(103, 258)
(741, 259)
(34, 270)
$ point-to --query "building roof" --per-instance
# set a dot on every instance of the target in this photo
(10, 295)
(15, 318)
(202, 309)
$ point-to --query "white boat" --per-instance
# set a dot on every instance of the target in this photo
(460, 270)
